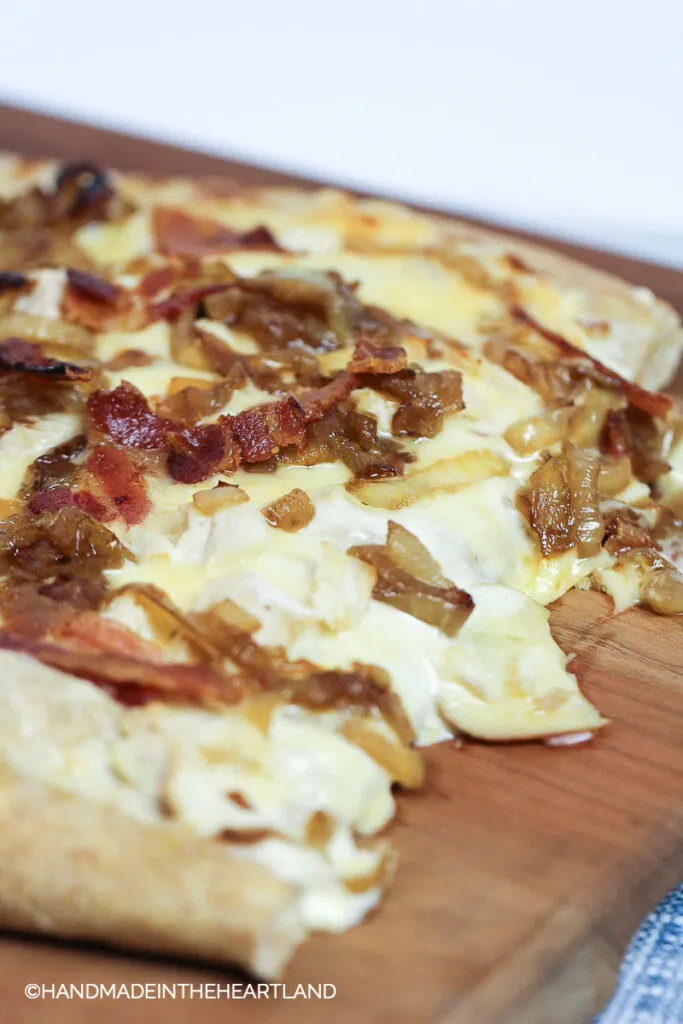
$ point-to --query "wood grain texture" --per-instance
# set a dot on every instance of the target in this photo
(523, 870)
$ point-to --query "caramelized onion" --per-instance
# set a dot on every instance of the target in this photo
(589, 418)
(538, 432)
(442, 605)
(190, 400)
(623, 532)
(409, 554)
(635, 433)
(545, 503)
(663, 592)
(443, 477)
(58, 542)
(43, 329)
(280, 307)
(582, 479)
(402, 764)
(21, 356)
(290, 512)
(614, 475)
(425, 398)
(218, 498)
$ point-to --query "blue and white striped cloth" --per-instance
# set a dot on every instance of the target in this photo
(650, 985)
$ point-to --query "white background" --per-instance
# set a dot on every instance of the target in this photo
(562, 116)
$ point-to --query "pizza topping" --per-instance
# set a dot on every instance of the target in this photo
(561, 503)
(316, 403)
(120, 673)
(51, 501)
(262, 431)
(408, 578)
(351, 438)
(425, 399)
(218, 498)
(130, 357)
(200, 452)
(371, 358)
(652, 403)
(662, 591)
(56, 468)
(46, 330)
(291, 512)
(95, 289)
(56, 542)
(635, 433)
(538, 432)
(442, 477)
(190, 400)
(123, 484)
(300, 682)
(125, 416)
(21, 356)
(82, 192)
(278, 308)
(182, 234)
(624, 532)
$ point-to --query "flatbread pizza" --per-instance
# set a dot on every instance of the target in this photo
(288, 480)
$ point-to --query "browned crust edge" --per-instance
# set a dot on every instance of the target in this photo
(80, 870)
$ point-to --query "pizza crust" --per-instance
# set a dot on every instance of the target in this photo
(77, 869)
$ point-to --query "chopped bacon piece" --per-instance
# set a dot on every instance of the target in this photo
(156, 280)
(90, 632)
(93, 302)
(174, 305)
(96, 289)
(51, 501)
(181, 234)
(93, 507)
(316, 403)
(200, 452)
(121, 481)
(614, 440)
(26, 357)
(124, 414)
(371, 358)
(261, 432)
(196, 684)
(647, 401)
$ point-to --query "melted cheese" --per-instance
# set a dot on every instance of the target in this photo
(25, 442)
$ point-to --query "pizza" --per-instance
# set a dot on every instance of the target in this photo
(289, 479)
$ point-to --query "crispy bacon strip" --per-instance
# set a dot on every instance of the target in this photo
(316, 403)
(93, 302)
(51, 501)
(174, 305)
(647, 401)
(261, 432)
(125, 416)
(371, 358)
(93, 288)
(122, 482)
(17, 355)
(195, 684)
(200, 452)
(182, 234)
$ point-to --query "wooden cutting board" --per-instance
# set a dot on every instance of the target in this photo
(523, 870)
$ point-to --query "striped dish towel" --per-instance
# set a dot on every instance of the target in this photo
(650, 985)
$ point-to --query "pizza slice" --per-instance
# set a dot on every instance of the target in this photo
(288, 480)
